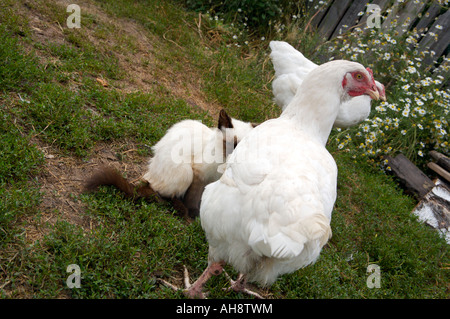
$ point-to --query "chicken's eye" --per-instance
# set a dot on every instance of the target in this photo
(359, 76)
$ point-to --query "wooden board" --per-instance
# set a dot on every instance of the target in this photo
(425, 15)
(333, 16)
(319, 13)
(350, 18)
(428, 17)
(446, 75)
(381, 3)
(412, 178)
(428, 42)
(441, 160)
(406, 14)
(440, 171)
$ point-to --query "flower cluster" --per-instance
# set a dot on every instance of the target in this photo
(414, 119)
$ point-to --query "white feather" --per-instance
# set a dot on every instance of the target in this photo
(292, 67)
(190, 147)
(270, 212)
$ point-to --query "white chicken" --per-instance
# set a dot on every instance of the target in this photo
(270, 212)
(291, 68)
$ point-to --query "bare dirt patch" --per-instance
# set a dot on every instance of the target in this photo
(63, 179)
(63, 175)
(128, 42)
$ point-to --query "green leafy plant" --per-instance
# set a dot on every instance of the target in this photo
(255, 16)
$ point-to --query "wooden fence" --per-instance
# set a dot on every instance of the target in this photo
(428, 17)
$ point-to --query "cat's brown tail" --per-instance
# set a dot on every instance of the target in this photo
(108, 176)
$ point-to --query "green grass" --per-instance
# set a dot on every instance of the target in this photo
(131, 244)
(119, 259)
(372, 224)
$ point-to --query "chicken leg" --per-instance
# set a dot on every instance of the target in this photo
(195, 290)
(239, 285)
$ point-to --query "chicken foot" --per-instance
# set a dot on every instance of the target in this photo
(239, 285)
(195, 290)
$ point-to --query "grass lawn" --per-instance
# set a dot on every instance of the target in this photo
(74, 99)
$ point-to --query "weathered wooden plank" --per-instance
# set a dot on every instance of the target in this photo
(440, 171)
(410, 176)
(393, 14)
(381, 3)
(409, 14)
(320, 12)
(440, 29)
(446, 74)
(313, 5)
(333, 16)
(350, 17)
(426, 21)
(400, 12)
(441, 160)
(428, 17)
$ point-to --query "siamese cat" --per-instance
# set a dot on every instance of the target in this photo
(185, 160)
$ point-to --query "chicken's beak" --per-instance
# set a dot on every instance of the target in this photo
(374, 94)
(382, 97)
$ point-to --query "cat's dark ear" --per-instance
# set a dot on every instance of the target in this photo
(224, 120)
